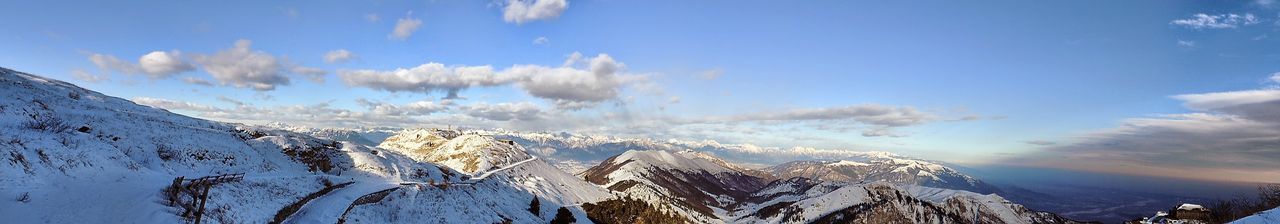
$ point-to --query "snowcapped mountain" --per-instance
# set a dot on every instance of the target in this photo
(65, 148)
(883, 167)
(363, 136)
(800, 200)
(698, 186)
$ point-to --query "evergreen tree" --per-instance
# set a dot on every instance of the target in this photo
(535, 206)
(563, 216)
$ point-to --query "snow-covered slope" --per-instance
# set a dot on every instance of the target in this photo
(883, 167)
(70, 155)
(1265, 217)
(800, 200)
(696, 185)
(64, 146)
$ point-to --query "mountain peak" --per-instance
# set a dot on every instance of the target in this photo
(466, 152)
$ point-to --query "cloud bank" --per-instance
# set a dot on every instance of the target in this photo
(1232, 135)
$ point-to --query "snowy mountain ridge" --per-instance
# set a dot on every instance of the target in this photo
(897, 170)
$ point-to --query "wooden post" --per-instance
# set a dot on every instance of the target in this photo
(204, 197)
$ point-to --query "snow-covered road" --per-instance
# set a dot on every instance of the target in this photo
(328, 208)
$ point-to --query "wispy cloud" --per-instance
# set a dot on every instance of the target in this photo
(712, 74)
(1186, 43)
(243, 67)
(1219, 21)
(338, 56)
(405, 27)
(87, 77)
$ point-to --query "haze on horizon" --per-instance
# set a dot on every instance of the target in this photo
(1175, 89)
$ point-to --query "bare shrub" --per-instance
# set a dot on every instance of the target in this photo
(1230, 209)
(47, 123)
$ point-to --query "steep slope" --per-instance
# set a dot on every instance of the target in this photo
(800, 200)
(697, 186)
(70, 155)
(883, 167)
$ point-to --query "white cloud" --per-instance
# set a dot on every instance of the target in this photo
(889, 116)
(1186, 43)
(414, 108)
(524, 111)
(871, 120)
(520, 12)
(426, 78)
(232, 101)
(155, 65)
(405, 28)
(1219, 21)
(174, 105)
(338, 56)
(372, 17)
(319, 115)
(541, 41)
(160, 64)
(1275, 77)
(197, 81)
(1265, 3)
(109, 62)
(291, 12)
(712, 74)
(1041, 142)
(575, 87)
(243, 67)
(576, 84)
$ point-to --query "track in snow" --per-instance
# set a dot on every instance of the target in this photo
(500, 169)
(329, 208)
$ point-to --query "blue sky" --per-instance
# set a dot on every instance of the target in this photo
(964, 82)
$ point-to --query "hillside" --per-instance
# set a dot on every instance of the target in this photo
(696, 185)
